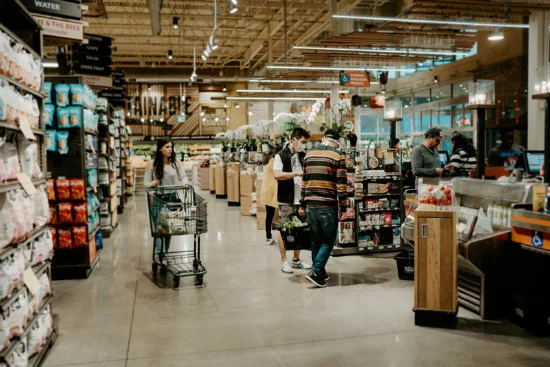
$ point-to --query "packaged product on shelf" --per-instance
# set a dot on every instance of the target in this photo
(43, 246)
(80, 213)
(75, 116)
(8, 220)
(77, 94)
(63, 187)
(33, 111)
(62, 94)
(48, 114)
(4, 45)
(19, 357)
(63, 117)
(64, 238)
(62, 138)
(101, 105)
(28, 157)
(54, 220)
(4, 330)
(48, 92)
(91, 175)
(78, 189)
(18, 315)
(65, 213)
(47, 287)
(387, 219)
(11, 159)
(53, 233)
(50, 140)
(80, 236)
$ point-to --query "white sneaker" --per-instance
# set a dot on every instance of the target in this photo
(285, 268)
(300, 265)
(270, 242)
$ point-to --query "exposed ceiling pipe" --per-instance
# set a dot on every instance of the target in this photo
(155, 6)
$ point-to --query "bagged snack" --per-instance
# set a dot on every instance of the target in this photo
(80, 236)
(36, 336)
(27, 253)
(62, 95)
(8, 220)
(49, 112)
(54, 220)
(53, 233)
(11, 159)
(42, 208)
(65, 213)
(6, 285)
(62, 142)
(50, 140)
(80, 213)
(77, 94)
(17, 214)
(51, 189)
(101, 105)
(43, 248)
(20, 356)
(18, 315)
(63, 189)
(4, 329)
(75, 116)
(63, 117)
(29, 211)
(64, 238)
(48, 91)
(28, 157)
(78, 190)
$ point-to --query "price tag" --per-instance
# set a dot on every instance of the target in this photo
(31, 281)
(27, 184)
(26, 128)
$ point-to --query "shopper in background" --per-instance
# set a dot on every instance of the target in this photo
(287, 170)
(425, 158)
(324, 189)
(166, 169)
(463, 158)
(268, 196)
(507, 154)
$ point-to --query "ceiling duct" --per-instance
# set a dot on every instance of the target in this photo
(155, 6)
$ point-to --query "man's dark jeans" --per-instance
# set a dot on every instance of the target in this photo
(323, 225)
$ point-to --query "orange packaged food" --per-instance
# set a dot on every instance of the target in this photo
(80, 213)
(65, 213)
(63, 190)
(53, 231)
(51, 189)
(53, 214)
(80, 236)
(64, 238)
(78, 190)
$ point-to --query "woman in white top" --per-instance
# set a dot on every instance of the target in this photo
(166, 169)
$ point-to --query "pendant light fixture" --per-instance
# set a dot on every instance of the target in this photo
(170, 55)
(497, 35)
(175, 22)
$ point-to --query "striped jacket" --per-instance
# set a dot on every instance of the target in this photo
(462, 163)
(324, 183)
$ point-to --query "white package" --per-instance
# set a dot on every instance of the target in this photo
(42, 206)
(28, 157)
(12, 214)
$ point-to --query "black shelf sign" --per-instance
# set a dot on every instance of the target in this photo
(92, 59)
(102, 50)
(92, 69)
(58, 8)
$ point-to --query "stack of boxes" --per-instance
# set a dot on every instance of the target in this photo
(221, 181)
(247, 189)
(233, 184)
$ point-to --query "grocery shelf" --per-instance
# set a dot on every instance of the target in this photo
(22, 86)
(13, 185)
(341, 251)
(15, 127)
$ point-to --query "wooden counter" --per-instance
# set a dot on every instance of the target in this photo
(531, 229)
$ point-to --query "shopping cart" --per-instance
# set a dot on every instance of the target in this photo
(177, 211)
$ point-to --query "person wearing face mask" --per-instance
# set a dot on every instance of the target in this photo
(425, 158)
(287, 170)
(324, 189)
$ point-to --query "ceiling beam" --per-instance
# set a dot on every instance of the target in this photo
(258, 43)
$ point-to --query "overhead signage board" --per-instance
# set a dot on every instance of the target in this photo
(112, 94)
(97, 81)
(354, 79)
(91, 59)
(92, 49)
(96, 40)
(57, 8)
(117, 73)
(60, 28)
(92, 69)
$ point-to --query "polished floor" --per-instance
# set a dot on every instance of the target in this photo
(251, 314)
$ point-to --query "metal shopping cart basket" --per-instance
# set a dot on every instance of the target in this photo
(177, 211)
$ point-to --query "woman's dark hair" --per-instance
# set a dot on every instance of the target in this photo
(158, 164)
(352, 140)
(273, 149)
(462, 142)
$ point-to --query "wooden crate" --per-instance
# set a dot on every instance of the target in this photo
(435, 264)
(205, 178)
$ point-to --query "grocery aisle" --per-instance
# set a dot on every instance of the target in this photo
(250, 314)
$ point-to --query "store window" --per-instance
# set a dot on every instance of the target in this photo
(460, 89)
(405, 124)
(422, 97)
(435, 118)
(441, 93)
(369, 124)
(417, 121)
(405, 101)
(445, 118)
(426, 120)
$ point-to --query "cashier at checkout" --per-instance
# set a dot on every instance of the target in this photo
(425, 158)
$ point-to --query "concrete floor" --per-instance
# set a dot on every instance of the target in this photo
(251, 314)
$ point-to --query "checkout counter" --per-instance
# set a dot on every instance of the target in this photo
(486, 252)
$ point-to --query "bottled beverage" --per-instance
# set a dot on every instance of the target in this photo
(509, 216)
(490, 213)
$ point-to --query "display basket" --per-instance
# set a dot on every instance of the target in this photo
(177, 211)
(405, 265)
(297, 238)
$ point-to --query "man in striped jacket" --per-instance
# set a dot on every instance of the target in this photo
(324, 187)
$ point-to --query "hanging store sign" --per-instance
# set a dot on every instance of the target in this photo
(91, 49)
(91, 59)
(110, 94)
(92, 69)
(354, 79)
(97, 81)
(60, 28)
(96, 40)
(117, 74)
(118, 82)
(58, 8)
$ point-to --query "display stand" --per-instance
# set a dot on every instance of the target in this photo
(377, 188)
(120, 148)
(81, 157)
(20, 26)
(107, 175)
(546, 97)
(481, 136)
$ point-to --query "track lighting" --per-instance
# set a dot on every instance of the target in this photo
(232, 6)
(204, 57)
(213, 43)
(175, 23)
(170, 55)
